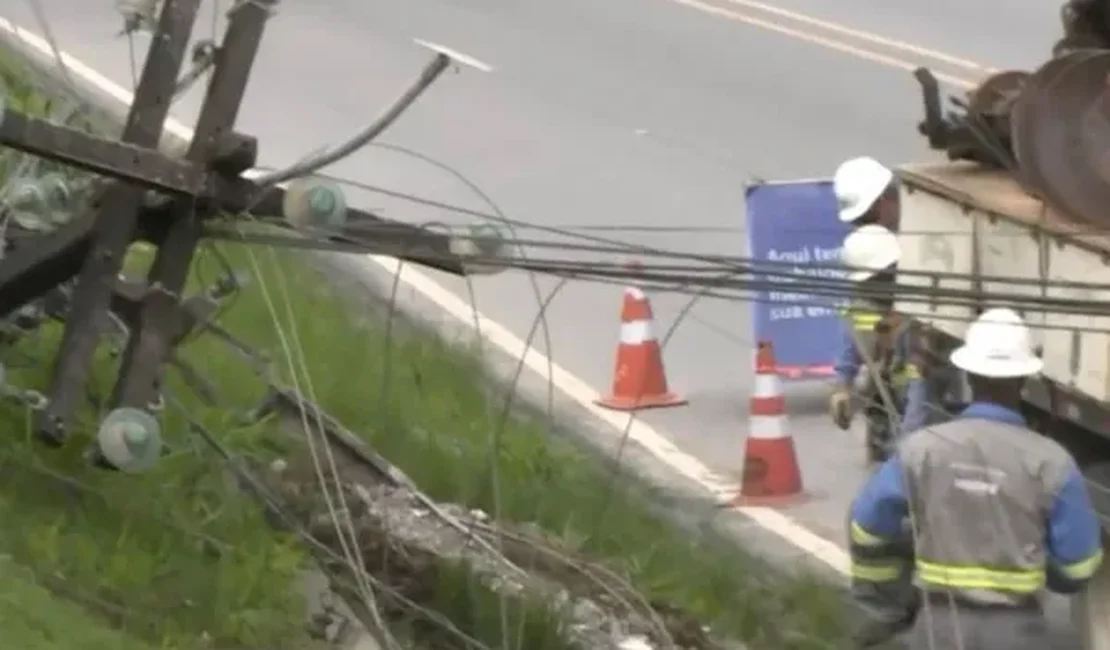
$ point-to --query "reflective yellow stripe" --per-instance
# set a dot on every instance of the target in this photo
(866, 320)
(860, 536)
(973, 577)
(903, 376)
(1084, 568)
(861, 317)
(876, 571)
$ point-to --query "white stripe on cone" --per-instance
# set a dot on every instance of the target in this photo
(636, 332)
(767, 427)
(634, 293)
(766, 386)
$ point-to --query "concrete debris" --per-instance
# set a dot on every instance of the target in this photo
(415, 535)
(636, 643)
(454, 538)
(406, 538)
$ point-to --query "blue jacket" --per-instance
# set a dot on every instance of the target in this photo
(1072, 534)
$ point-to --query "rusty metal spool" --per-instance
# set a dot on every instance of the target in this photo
(988, 110)
(1095, 130)
(1056, 123)
(995, 95)
(1025, 121)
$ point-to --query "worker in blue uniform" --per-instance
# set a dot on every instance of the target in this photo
(867, 198)
(999, 513)
(923, 385)
(894, 394)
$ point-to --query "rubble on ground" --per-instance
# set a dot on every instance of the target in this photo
(405, 539)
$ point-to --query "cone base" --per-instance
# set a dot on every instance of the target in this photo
(771, 473)
(616, 403)
(779, 501)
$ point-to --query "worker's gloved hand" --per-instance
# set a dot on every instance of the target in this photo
(840, 406)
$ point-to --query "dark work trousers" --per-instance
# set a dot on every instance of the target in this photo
(888, 608)
(942, 625)
(881, 418)
(881, 424)
(887, 612)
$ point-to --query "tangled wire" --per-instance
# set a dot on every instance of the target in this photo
(373, 534)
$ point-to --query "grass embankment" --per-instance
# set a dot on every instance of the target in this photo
(32, 619)
(179, 561)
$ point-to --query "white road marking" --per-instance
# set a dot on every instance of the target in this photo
(875, 39)
(719, 487)
(816, 39)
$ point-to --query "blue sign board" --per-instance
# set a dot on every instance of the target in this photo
(795, 225)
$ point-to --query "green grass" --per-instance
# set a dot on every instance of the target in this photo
(30, 615)
(173, 557)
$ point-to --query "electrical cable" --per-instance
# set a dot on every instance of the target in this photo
(681, 277)
(427, 77)
(289, 339)
(359, 233)
(496, 427)
(678, 278)
(347, 535)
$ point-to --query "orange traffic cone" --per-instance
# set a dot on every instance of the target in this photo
(771, 473)
(639, 380)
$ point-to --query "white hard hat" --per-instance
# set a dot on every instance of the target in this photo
(868, 250)
(858, 183)
(997, 345)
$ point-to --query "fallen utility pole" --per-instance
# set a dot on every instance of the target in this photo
(142, 194)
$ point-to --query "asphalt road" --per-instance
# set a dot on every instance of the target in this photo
(622, 112)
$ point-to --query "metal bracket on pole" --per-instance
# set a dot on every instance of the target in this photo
(116, 217)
